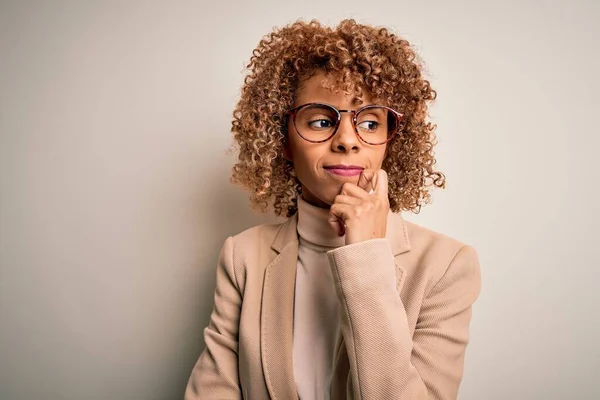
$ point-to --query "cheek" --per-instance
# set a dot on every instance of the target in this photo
(304, 164)
(299, 157)
(381, 162)
(307, 170)
(378, 158)
(302, 154)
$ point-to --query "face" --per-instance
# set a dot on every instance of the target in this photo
(313, 161)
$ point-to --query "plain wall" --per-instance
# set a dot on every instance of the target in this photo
(115, 196)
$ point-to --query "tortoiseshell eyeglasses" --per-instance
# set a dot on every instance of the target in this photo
(319, 122)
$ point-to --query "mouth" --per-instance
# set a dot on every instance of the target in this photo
(344, 170)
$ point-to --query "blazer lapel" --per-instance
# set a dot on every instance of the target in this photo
(277, 314)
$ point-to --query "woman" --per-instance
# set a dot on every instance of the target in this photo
(344, 299)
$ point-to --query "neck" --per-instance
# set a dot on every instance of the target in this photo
(313, 225)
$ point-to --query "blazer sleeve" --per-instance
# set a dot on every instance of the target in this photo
(215, 375)
(386, 362)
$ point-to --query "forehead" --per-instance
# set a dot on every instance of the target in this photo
(324, 88)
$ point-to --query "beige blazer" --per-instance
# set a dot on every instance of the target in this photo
(405, 308)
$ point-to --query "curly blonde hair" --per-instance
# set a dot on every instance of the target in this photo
(360, 56)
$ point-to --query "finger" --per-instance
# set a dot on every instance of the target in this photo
(350, 189)
(381, 188)
(375, 181)
(338, 214)
(367, 180)
(345, 199)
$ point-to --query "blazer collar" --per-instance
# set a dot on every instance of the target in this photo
(277, 311)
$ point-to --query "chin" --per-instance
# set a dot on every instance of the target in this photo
(329, 198)
(320, 199)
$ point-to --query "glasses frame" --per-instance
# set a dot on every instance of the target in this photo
(398, 116)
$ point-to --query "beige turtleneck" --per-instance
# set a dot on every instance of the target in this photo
(316, 318)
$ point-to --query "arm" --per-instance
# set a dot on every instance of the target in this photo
(385, 361)
(215, 375)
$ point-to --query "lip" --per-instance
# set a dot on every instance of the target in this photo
(344, 170)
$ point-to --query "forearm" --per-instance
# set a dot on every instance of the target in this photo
(386, 361)
(374, 322)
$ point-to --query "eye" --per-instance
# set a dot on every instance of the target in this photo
(368, 126)
(320, 124)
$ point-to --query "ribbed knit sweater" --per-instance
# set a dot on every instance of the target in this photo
(316, 318)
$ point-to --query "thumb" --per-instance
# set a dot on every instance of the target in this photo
(381, 184)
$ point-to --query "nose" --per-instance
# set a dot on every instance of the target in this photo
(345, 139)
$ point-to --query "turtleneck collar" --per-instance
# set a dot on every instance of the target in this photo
(313, 226)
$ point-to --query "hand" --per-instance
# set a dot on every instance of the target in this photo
(358, 214)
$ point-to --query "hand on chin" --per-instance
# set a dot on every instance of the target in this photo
(360, 209)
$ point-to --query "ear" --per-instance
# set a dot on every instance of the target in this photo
(287, 153)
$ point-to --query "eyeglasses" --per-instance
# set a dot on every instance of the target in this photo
(319, 122)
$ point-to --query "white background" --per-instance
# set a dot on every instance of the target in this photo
(115, 200)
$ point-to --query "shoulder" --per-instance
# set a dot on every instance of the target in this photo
(258, 235)
(252, 249)
(438, 253)
(426, 240)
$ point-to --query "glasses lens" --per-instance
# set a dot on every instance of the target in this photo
(376, 124)
(316, 122)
